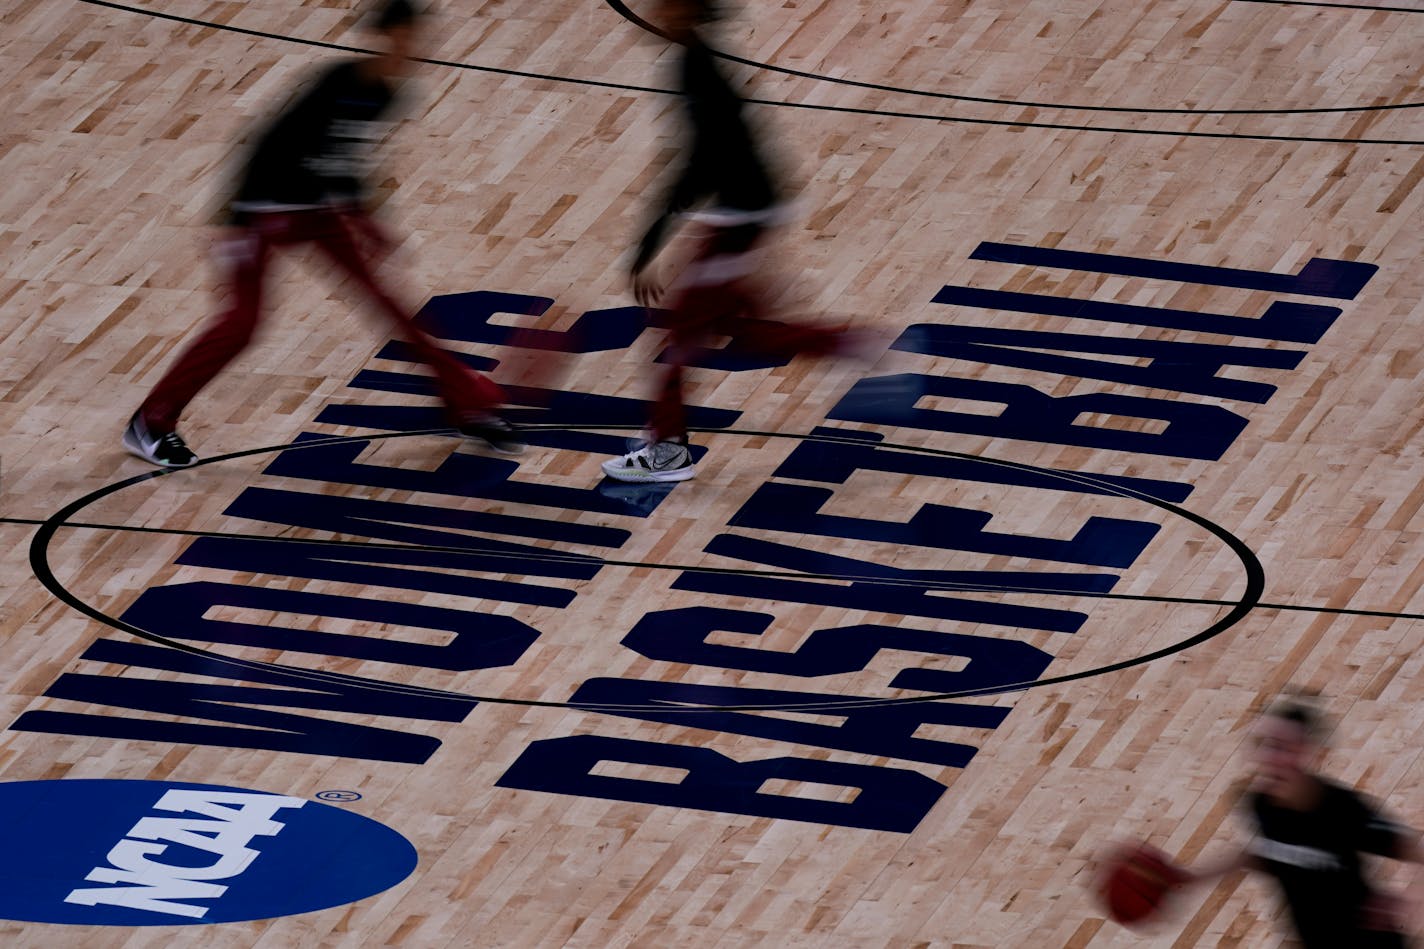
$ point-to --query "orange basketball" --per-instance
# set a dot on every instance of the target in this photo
(1136, 882)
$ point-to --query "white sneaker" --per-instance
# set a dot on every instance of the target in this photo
(167, 450)
(659, 461)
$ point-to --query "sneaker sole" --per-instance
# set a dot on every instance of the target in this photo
(502, 449)
(138, 452)
(633, 475)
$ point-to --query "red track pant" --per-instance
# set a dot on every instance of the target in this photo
(718, 296)
(341, 235)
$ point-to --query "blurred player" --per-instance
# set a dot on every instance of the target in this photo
(1310, 832)
(715, 295)
(303, 184)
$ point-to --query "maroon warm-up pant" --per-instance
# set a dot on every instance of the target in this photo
(341, 234)
(717, 295)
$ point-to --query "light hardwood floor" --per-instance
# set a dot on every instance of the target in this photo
(115, 152)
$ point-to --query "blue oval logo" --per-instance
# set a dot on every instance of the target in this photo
(157, 853)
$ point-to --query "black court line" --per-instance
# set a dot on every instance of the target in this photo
(621, 8)
(1238, 609)
(1334, 6)
(554, 556)
(845, 110)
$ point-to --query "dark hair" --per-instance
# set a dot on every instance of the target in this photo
(711, 10)
(1298, 713)
(391, 14)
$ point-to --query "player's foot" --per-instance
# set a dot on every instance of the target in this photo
(494, 431)
(658, 461)
(165, 449)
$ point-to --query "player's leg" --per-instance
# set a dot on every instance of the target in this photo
(665, 455)
(753, 333)
(152, 431)
(745, 311)
(716, 294)
(471, 399)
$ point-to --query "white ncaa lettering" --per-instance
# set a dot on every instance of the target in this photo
(233, 818)
(250, 808)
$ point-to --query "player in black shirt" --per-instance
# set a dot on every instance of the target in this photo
(1311, 832)
(302, 183)
(724, 170)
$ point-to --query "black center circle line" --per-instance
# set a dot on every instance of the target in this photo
(44, 572)
(811, 106)
(1249, 600)
(1365, 8)
(554, 556)
(621, 8)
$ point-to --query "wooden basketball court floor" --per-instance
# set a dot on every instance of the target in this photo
(1148, 182)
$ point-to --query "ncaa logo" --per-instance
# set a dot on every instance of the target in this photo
(151, 853)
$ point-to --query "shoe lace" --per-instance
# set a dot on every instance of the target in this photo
(173, 441)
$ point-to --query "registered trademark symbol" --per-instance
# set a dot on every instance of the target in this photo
(344, 797)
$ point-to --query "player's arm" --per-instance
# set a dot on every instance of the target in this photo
(646, 289)
(1213, 870)
(1408, 846)
(1378, 834)
(683, 194)
(1411, 849)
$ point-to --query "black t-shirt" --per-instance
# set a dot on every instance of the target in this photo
(724, 165)
(315, 152)
(1315, 855)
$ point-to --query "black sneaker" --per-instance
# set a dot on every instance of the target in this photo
(167, 450)
(494, 432)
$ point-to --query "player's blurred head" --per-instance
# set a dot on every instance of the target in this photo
(1286, 740)
(395, 23)
(679, 19)
(386, 15)
(1297, 713)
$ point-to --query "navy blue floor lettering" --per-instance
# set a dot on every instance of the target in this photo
(884, 730)
(264, 728)
(906, 595)
(681, 636)
(1320, 277)
(460, 475)
(477, 640)
(1193, 430)
(1287, 322)
(1175, 366)
(835, 463)
(402, 351)
(794, 508)
(430, 571)
(466, 317)
(461, 541)
(547, 408)
(889, 799)
(395, 520)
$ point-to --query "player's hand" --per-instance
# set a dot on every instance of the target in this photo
(646, 289)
